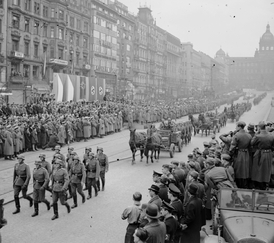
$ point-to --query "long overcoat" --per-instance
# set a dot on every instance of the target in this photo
(8, 144)
(262, 159)
(240, 147)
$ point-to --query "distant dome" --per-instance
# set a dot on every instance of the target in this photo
(267, 36)
(220, 53)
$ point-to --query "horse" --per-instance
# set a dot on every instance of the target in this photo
(153, 144)
(195, 123)
(137, 140)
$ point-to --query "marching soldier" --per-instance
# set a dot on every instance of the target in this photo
(104, 165)
(93, 172)
(240, 146)
(77, 174)
(21, 179)
(60, 181)
(40, 183)
(58, 152)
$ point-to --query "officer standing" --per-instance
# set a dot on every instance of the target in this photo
(240, 147)
(21, 177)
(77, 175)
(104, 165)
(40, 183)
(262, 159)
(93, 172)
(60, 181)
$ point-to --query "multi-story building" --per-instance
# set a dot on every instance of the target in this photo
(125, 48)
(44, 37)
(3, 48)
(255, 72)
(173, 57)
(104, 42)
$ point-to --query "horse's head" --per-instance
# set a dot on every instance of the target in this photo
(190, 117)
(132, 136)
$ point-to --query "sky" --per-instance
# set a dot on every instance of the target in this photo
(236, 26)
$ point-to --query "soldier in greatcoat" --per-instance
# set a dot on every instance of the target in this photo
(262, 159)
(240, 148)
(104, 165)
(8, 143)
(21, 178)
(60, 181)
(102, 130)
(93, 173)
(86, 128)
(40, 183)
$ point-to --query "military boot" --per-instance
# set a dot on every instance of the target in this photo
(47, 203)
(17, 205)
(35, 209)
(55, 211)
(75, 202)
(89, 194)
(67, 206)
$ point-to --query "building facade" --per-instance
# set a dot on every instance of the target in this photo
(45, 37)
(125, 49)
(3, 49)
(104, 43)
(258, 71)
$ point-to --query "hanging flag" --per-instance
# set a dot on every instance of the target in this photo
(45, 64)
(83, 85)
(92, 89)
(101, 85)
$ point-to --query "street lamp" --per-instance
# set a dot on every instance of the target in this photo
(211, 81)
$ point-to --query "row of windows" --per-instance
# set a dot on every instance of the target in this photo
(104, 23)
(267, 48)
(16, 70)
(104, 37)
(104, 50)
(104, 63)
(125, 25)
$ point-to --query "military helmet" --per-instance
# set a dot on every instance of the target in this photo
(21, 157)
(100, 148)
(76, 158)
(91, 154)
(58, 156)
(42, 156)
(59, 161)
(38, 162)
(70, 148)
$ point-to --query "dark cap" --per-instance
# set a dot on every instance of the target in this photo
(192, 189)
(251, 126)
(241, 123)
(174, 189)
(152, 211)
(167, 206)
(210, 161)
(206, 144)
(166, 166)
(175, 162)
(154, 188)
(155, 173)
(194, 174)
(261, 124)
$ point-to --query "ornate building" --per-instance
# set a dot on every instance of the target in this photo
(258, 71)
(45, 37)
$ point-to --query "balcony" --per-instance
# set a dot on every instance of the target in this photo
(16, 78)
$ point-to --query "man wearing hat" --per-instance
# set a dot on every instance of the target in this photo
(166, 169)
(226, 162)
(206, 147)
(155, 199)
(104, 166)
(8, 143)
(180, 177)
(262, 159)
(175, 202)
(60, 182)
(240, 146)
(77, 174)
(213, 141)
(226, 138)
(93, 173)
(40, 183)
(155, 228)
(170, 222)
(21, 178)
(191, 222)
(156, 176)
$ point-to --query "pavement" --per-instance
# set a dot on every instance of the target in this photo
(99, 219)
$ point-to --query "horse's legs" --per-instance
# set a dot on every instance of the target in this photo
(141, 153)
(151, 155)
(133, 150)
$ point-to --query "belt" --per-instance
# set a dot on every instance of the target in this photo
(266, 150)
(39, 181)
(59, 182)
(22, 176)
(243, 150)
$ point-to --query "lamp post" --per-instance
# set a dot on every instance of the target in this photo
(211, 80)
